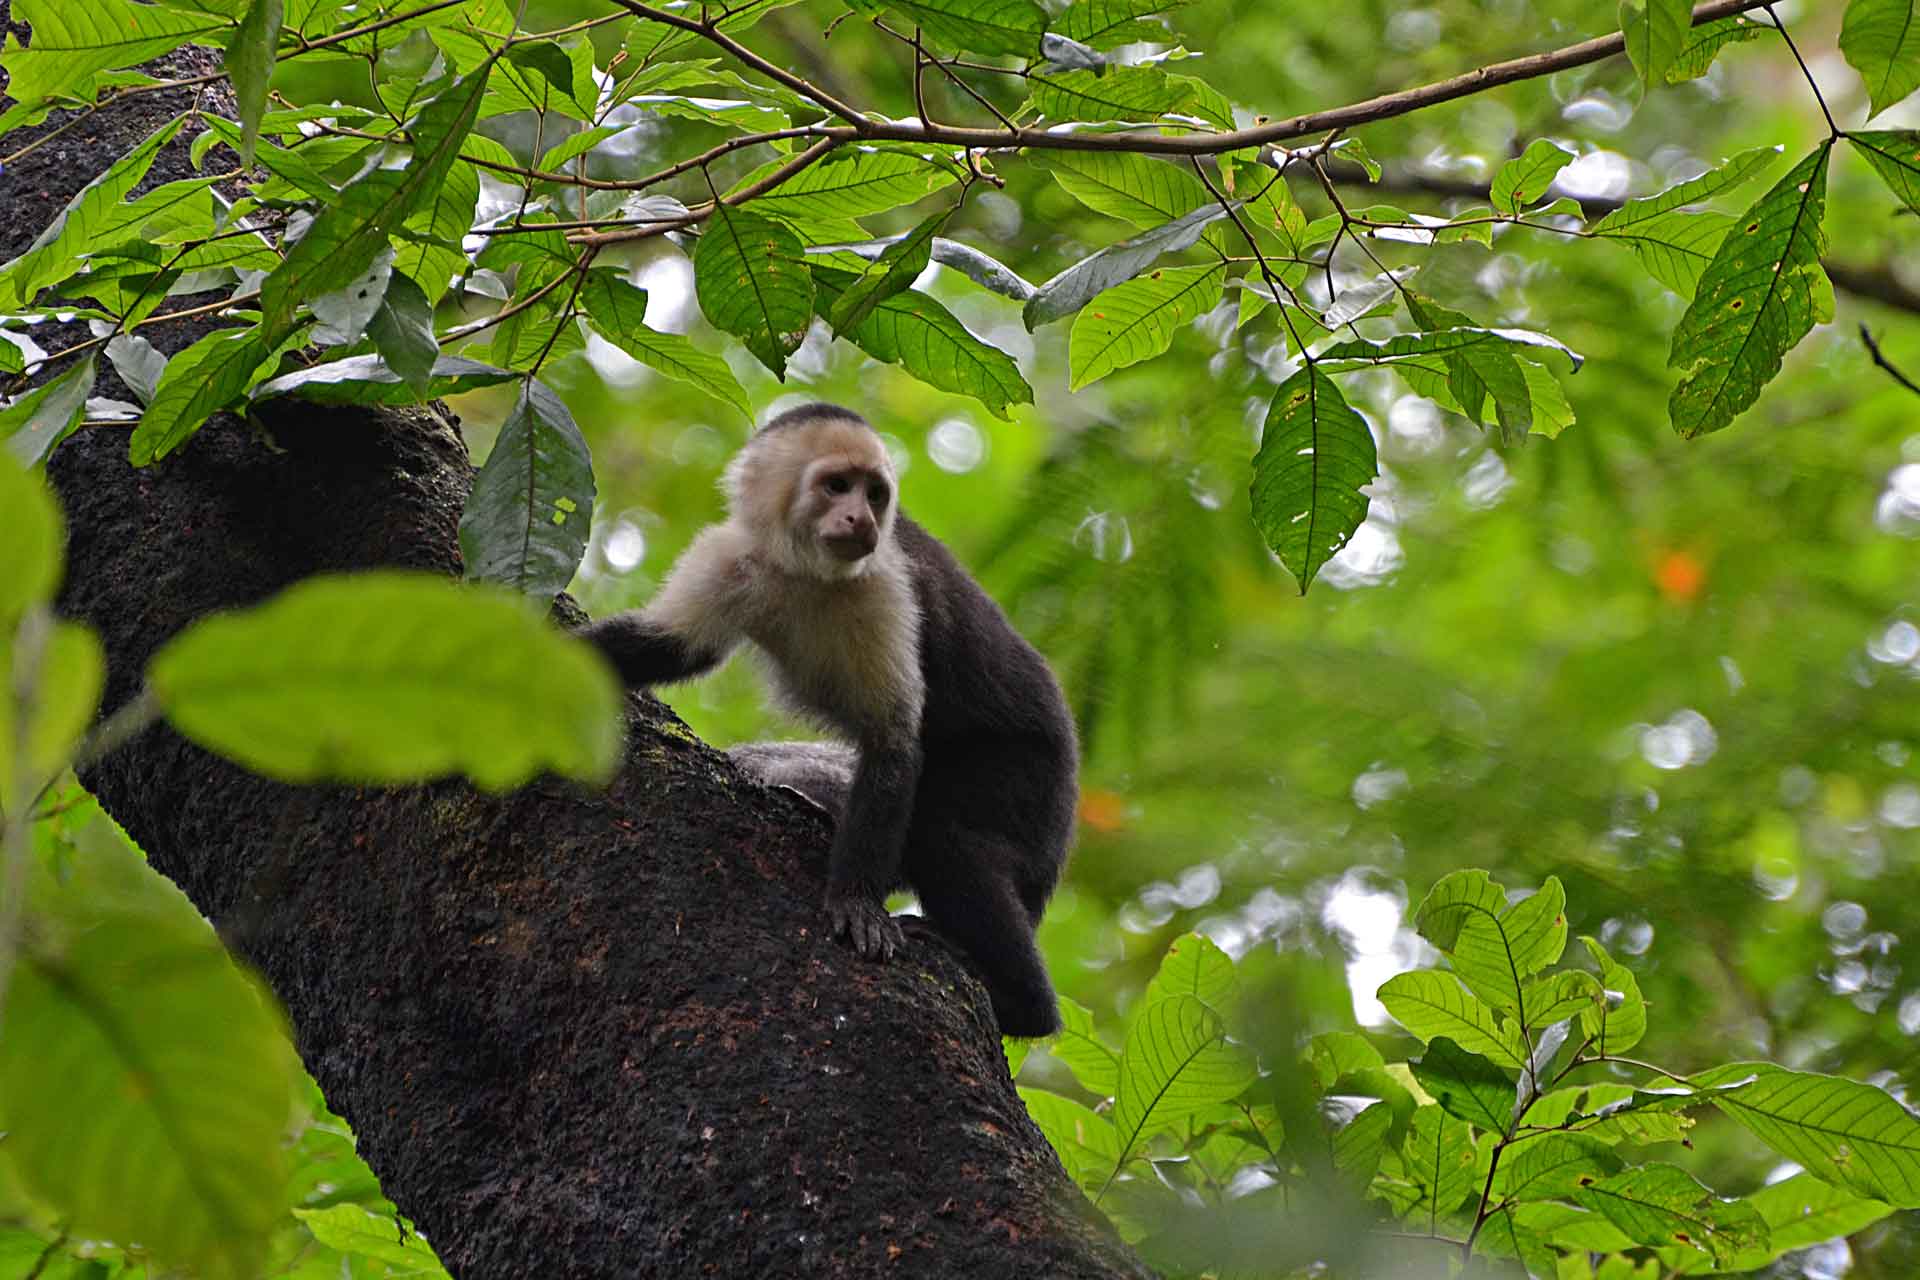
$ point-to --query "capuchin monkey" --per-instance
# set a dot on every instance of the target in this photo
(958, 777)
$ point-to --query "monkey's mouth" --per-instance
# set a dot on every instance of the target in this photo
(848, 547)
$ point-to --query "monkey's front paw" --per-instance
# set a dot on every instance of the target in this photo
(865, 923)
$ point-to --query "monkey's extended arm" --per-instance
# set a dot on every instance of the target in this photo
(864, 865)
(688, 629)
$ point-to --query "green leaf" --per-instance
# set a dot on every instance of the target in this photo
(71, 42)
(1121, 93)
(894, 271)
(1086, 1142)
(77, 227)
(1895, 156)
(1081, 1050)
(1334, 1055)
(1761, 294)
(198, 383)
(1359, 1144)
(1316, 454)
(1850, 1134)
(1558, 997)
(1676, 247)
(1441, 1160)
(528, 517)
(1704, 42)
(750, 275)
(1492, 954)
(292, 166)
(1881, 39)
(1137, 320)
(1080, 283)
(402, 332)
(371, 380)
(1177, 1061)
(249, 63)
(1525, 179)
(1193, 966)
(429, 252)
(617, 311)
(1121, 184)
(1430, 1003)
(65, 692)
(360, 1233)
(124, 1113)
(1107, 24)
(982, 26)
(919, 334)
(35, 538)
(1618, 1024)
(392, 677)
(1659, 1204)
(1456, 898)
(347, 235)
(1467, 1085)
(41, 418)
(1802, 1211)
(1550, 1166)
(850, 184)
(1656, 31)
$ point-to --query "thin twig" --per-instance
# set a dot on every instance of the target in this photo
(1832, 129)
(1879, 358)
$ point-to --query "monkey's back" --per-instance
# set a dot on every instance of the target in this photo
(996, 731)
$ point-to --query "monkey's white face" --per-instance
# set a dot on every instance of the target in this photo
(822, 493)
(843, 508)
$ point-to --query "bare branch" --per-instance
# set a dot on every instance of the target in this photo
(1873, 349)
(701, 213)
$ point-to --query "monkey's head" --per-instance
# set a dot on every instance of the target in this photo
(816, 484)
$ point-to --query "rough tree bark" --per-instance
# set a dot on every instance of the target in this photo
(579, 1033)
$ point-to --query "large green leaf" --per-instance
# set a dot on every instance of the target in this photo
(1881, 38)
(72, 42)
(32, 532)
(1105, 24)
(79, 227)
(1659, 1204)
(402, 332)
(1895, 156)
(360, 1233)
(1086, 1055)
(1121, 94)
(618, 311)
(982, 26)
(1524, 180)
(1467, 1085)
(1315, 456)
(1761, 294)
(1675, 247)
(392, 677)
(1851, 1134)
(428, 252)
(1137, 320)
(371, 380)
(1086, 1142)
(1704, 43)
(851, 183)
(1085, 280)
(1441, 1160)
(1177, 1061)
(144, 1086)
(750, 275)
(531, 509)
(63, 695)
(1135, 188)
(894, 271)
(1803, 1211)
(198, 382)
(1430, 1003)
(1548, 1166)
(249, 63)
(41, 418)
(1494, 954)
(1655, 31)
(1618, 1025)
(348, 234)
(919, 334)
(1194, 966)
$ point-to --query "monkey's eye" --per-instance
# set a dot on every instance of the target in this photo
(877, 495)
(837, 485)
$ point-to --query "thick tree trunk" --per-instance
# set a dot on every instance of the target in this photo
(579, 1033)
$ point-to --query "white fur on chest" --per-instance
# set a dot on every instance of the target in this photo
(847, 652)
